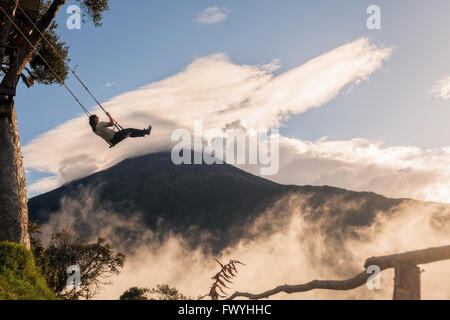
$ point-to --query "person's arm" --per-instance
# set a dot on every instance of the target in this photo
(111, 120)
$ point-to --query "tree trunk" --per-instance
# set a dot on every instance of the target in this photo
(407, 282)
(13, 190)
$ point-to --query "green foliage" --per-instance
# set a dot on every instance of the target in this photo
(54, 55)
(164, 292)
(97, 262)
(160, 292)
(93, 9)
(19, 278)
(57, 51)
(135, 293)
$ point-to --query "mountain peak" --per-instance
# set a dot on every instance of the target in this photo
(219, 199)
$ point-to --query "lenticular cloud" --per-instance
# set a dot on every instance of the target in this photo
(213, 90)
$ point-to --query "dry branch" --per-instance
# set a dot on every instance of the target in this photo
(412, 257)
(224, 276)
(383, 262)
(348, 284)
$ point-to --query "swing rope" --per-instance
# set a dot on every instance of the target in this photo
(72, 70)
(86, 111)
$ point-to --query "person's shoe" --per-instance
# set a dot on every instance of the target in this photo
(149, 130)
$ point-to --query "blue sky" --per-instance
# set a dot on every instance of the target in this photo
(142, 42)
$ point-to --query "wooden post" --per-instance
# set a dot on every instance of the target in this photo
(407, 282)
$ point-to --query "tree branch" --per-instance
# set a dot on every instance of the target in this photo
(44, 22)
(340, 285)
(6, 26)
(412, 257)
(26, 52)
(384, 262)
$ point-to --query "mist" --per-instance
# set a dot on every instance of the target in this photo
(286, 243)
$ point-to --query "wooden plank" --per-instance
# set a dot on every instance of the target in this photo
(31, 7)
(413, 257)
(7, 91)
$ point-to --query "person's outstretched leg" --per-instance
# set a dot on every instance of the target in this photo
(130, 132)
(136, 133)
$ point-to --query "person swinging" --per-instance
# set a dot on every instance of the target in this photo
(102, 129)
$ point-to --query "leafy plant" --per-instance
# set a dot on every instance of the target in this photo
(96, 260)
(160, 292)
(19, 277)
(224, 276)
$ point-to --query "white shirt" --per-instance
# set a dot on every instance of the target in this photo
(103, 131)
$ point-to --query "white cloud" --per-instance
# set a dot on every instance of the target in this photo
(108, 85)
(364, 165)
(272, 66)
(44, 184)
(213, 15)
(212, 89)
(441, 90)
